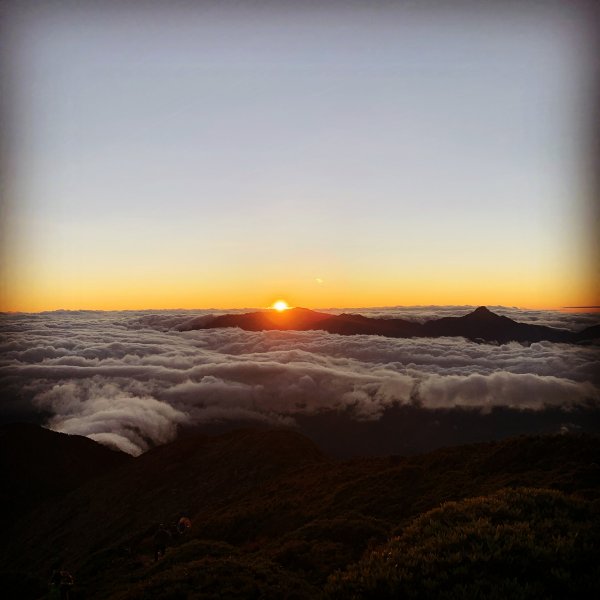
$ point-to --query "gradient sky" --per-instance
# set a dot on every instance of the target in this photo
(349, 156)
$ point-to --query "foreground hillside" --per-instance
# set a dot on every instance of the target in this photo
(272, 517)
(37, 464)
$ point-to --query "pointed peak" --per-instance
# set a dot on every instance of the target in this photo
(482, 310)
(482, 313)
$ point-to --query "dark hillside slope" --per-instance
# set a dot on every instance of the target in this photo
(268, 508)
(181, 477)
(37, 463)
(525, 544)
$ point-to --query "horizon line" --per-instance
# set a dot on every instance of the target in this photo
(214, 308)
(581, 306)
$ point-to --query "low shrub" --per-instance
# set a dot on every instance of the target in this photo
(518, 544)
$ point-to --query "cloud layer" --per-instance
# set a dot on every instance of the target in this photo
(129, 379)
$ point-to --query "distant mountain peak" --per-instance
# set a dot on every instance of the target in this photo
(484, 315)
(479, 325)
(482, 310)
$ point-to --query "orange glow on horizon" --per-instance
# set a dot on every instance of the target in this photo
(40, 290)
(164, 299)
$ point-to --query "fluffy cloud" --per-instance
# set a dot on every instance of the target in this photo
(106, 413)
(523, 391)
(129, 379)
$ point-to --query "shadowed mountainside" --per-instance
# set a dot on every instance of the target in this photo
(271, 515)
(479, 325)
(37, 464)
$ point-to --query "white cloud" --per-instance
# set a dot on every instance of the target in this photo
(107, 414)
(129, 379)
(522, 391)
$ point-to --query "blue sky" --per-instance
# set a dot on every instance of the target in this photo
(237, 153)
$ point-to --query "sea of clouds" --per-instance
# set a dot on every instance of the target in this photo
(130, 379)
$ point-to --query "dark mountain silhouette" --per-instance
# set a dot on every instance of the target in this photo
(589, 333)
(38, 463)
(294, 318)
(272, 517)
(479, 325)
(486, 325)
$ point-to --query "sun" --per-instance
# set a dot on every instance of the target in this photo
(280, 305)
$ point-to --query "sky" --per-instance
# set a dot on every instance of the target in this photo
(357, 154)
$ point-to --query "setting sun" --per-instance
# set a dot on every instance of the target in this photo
(280, 305)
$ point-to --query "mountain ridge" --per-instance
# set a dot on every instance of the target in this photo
(480, 325)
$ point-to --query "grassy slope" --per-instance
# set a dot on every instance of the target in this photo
(520, 544)
(271, 516)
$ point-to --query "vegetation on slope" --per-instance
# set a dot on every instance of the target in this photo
(519, 544)
(273, 518)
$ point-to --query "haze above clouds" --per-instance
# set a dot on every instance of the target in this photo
(129, 379)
